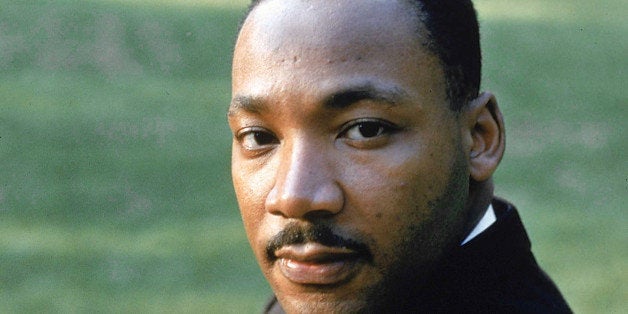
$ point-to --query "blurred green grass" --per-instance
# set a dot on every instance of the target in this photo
(116, 195)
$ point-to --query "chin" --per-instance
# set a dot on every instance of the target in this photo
(340, 299)
(323, 305)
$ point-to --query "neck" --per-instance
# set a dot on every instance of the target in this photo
(480, 196)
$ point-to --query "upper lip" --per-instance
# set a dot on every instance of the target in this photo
(314, 253)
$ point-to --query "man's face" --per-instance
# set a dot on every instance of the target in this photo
(348, 166)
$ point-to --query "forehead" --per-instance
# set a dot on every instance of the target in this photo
(325, 22)
(328, 42)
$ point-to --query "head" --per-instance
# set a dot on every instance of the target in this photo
(362, 150)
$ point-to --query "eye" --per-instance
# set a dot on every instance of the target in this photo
(254, 140)
(367, 129)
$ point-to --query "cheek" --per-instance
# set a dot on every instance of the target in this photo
(394, 180)
(393, 195)
(251, 189)
(251, 195)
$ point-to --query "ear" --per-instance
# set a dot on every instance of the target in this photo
(485, 127)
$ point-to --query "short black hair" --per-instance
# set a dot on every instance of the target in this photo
(454, 37)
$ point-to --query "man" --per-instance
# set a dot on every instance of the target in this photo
(362, 162)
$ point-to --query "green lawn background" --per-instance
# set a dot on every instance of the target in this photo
(115, 193)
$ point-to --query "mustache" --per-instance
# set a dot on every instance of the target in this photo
(295, 233)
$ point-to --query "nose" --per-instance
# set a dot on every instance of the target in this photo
(305, 183)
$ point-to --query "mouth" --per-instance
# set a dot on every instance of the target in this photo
(317, 264)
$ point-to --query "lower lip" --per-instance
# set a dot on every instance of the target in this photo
(327, 273)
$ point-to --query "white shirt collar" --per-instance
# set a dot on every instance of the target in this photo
(487, 220)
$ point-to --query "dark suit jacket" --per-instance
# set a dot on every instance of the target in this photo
(493, 273)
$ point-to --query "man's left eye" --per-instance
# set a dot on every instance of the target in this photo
(364, 130)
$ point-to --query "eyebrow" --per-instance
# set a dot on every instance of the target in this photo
(348, 96)
(246, 103)
(340, 99)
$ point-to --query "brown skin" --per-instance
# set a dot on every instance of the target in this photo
(340, 119)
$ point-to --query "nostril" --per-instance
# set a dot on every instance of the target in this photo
(318, 214)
